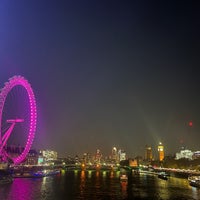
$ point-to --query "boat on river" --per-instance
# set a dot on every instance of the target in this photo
(52, 172)
(163, 175)
(194, 181)
(36, 174)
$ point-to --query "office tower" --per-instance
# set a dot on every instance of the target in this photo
(148, 153)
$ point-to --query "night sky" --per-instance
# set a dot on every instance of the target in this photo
(106, 73)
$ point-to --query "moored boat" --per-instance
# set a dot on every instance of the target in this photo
(163, 175)
(194, 181)
(52, 172)
(38, 174)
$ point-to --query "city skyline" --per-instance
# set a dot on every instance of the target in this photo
(104, 74)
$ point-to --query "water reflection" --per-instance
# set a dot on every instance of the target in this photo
(162, 192)
(21, 189)
(89, 174)
(124, 185)
(47, 188)
(98, 185)
(104, 174)
(82, 183)
(195, 192)
(111, 174)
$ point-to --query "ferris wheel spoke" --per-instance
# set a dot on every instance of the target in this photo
(6, 136)
(8, 132)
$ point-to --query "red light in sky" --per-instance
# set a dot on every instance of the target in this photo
(190, 124)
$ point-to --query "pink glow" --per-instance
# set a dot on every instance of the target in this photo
(15, 81)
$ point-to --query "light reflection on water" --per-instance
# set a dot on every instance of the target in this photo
(21, 189)
(99, 185)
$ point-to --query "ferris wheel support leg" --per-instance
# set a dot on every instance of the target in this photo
(6, 136)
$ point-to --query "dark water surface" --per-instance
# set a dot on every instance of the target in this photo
(98, 185)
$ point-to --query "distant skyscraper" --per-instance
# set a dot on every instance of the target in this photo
(98, 156)
(114, 154)
(148, 153)
(161, 151)
(121, 155)
(86, 158)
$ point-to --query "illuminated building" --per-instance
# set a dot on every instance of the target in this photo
(98, 156)
(86, 158)
(77, 160)
(118, 155)
(133, 163)
(161, 151)
(121, 155)
(114, 154)
(49, 155)
(188, 154)
(32, 157)
(148, 153)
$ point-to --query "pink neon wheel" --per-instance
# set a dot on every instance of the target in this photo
(18, 117)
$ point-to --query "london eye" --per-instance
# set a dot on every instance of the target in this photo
(18, 116)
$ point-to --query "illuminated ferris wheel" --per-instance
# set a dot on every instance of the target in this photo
(18, 117)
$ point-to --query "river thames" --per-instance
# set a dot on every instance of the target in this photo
(97, 185)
